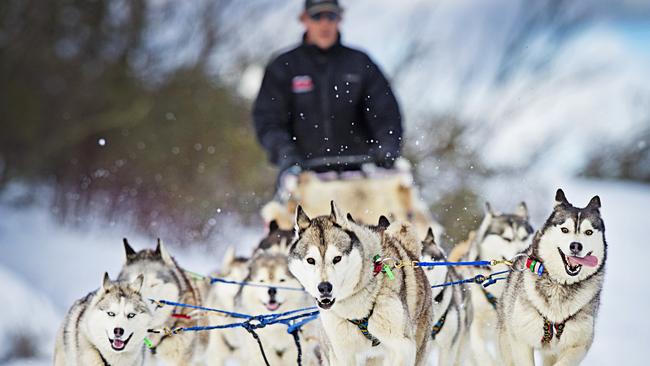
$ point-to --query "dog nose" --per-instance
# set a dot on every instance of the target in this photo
(325, 287)
(575, 247)
(273, 291)
(118, 332)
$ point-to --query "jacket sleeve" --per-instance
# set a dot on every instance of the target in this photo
(271, 116)
(381, 111)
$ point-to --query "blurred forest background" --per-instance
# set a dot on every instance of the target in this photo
(139, 111)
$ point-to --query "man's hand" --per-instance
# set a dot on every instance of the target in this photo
(385, 158)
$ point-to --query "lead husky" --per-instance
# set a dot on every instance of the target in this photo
(106, 327)
(451, 305)
(365, 314)
(500, 236)
(553, 306)
(164, 279)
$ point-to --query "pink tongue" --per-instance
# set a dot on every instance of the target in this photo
(118, 343)
(588, 260)
(272, 306)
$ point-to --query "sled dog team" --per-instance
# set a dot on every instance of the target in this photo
(377, 306)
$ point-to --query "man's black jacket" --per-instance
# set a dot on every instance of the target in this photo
(326, 103)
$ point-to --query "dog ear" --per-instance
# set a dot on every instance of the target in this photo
(336, 215)
(383, 222)
(594, 204)
(302, 220)
(106, 282)
(273, 226)
(228, 259)
(128, 250)
(164, 254)
(350, 218)
(488, 209)
(136, 285)
(430, 239)
(560, 198)
(522, 210)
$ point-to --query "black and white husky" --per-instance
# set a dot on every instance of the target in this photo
(552, 304)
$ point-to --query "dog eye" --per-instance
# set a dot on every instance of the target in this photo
(336, 259)
(282, 280)
(565, 230)
(589, 232)
(110, 313)
(311, 261)
(130, 315)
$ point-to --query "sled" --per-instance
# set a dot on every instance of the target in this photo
(366, 193)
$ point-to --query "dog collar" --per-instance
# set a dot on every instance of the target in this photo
(380, 266)
(535, 266)
(362, 324)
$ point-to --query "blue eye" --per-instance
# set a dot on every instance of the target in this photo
(130, 315)
(111, 314)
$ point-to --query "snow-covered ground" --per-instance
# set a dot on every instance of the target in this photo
(44, 267)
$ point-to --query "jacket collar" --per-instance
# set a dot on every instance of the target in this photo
(314, 48)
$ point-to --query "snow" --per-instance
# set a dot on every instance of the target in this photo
(45, 266)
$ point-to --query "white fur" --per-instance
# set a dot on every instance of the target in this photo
(89, 328)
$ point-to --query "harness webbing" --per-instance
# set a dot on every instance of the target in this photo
(362, 324)
(490, 298)
(439, 324)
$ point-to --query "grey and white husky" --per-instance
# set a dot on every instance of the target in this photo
(451, 306)
(225, 344)
(552, 305)
(106, 327)
(500, 236)
(164, 279)
(365, 314)
(271, 268)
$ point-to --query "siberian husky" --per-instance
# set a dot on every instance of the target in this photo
(500, 236)
(106, 327)
(451, 306)
(271, 269)
(552, 304)
(225, 344)
(164, 279)
(370, 308)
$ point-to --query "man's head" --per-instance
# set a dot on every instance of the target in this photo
(321, 20)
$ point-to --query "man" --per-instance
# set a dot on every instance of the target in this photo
(323, 103)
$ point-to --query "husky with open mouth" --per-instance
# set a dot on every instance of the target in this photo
(270, 268)
(106, 327)
(552, 304)
(370, 309)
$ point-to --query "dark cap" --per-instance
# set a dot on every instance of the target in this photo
(317, 6)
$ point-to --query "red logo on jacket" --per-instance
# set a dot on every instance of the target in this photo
(302, 84)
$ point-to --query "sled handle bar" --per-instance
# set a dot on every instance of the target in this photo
(337, 161)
